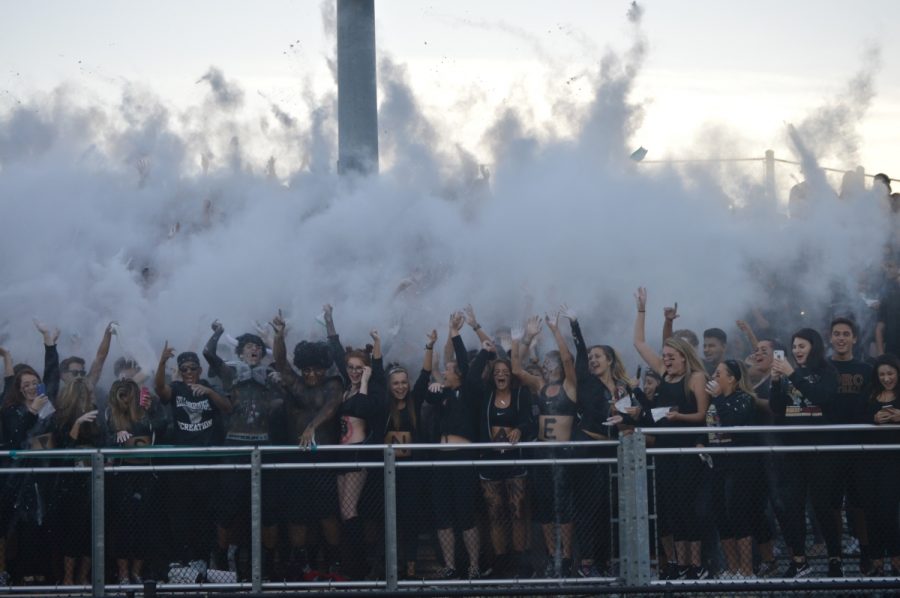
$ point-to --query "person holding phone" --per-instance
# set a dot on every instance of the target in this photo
(802, 395)
(133, 420)
(881, 471)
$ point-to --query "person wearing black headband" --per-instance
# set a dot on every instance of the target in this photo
(728, 488)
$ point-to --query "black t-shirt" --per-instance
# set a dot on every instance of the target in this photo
(194, 416)
(854, 377)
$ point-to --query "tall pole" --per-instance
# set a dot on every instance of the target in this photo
(357, 97)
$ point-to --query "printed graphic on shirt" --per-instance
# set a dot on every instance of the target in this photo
(800, 406)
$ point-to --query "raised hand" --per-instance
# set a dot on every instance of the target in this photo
(640, 298)
(552, 322)
(488, 345)
(568, 313)
(112, 328)
(167, 353)
(457, 319)
(278, 324)
(516, 334)
(431, 338)
(471, 320)
(50, 336)
(366, 375)
(533, 327)
(217, 327)
(328, 312)
(375, 336)
(670, 313)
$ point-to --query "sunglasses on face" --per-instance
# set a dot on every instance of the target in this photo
(186, 369)
(77, 373)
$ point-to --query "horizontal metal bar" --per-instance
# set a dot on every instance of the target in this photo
(757, 429)
(511, 462)
(509, 582)
(24, 470)
(326, 465)
(825, 448)
(198, 467)
(701, 160)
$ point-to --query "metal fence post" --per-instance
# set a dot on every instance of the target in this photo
(641, 528)
(256, 519)
(634, 516)
(98, 546)
(390, 518)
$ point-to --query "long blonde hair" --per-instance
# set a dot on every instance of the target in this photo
(692, 363)
(75, 399)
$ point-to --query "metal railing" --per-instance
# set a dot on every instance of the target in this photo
(631, 514)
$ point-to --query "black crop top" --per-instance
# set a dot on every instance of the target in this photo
(503, 417)
(558, 405)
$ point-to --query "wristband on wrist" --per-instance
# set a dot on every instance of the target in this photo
(476, 327)
(429, 347)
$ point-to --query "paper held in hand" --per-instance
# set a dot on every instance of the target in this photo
(659, 412)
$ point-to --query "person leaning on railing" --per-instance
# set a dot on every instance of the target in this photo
(881, 470)
(801, 396)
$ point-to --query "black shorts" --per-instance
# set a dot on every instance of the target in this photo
(496, 473)
(308, 495)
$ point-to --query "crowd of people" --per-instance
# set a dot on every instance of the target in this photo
(321, 522)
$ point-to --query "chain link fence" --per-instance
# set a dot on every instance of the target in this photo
(631, 515)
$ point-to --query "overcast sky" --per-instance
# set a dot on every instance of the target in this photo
(749, 67)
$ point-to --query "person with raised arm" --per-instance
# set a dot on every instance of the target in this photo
(453, 488)
(253, 402)
(503, 405)
(802, 396)
(196, 411)
(361, 416)
(681, 400)
(73, 367)
(309, 419)
(602, 383)
(556, 392)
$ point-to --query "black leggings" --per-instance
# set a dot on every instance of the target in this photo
(679, 480)
(880, 478)
(729, 496)
(410, 521)
(809, 475)
(592, 511)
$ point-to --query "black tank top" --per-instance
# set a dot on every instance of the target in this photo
(558, 405)
(673, 394)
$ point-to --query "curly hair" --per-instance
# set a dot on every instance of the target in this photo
(308, 354)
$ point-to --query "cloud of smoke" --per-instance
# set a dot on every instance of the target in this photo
(166, 220)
